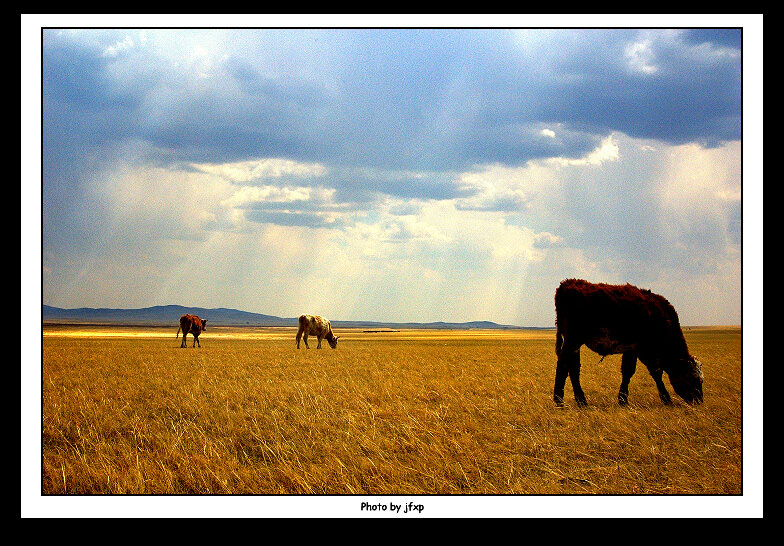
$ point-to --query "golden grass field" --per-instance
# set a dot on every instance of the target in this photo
(125, 410)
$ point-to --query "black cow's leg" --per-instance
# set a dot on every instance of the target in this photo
(305, 339)
(566, 358)
(299, 336)
(657, 377)
(199, 342)
(561, 373)
(656, 373)
(184, 344)
(319, 343)
(574, 375)
(628, 367)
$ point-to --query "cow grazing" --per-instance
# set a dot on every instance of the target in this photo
(314, 325)
(622, 319)
(192, 324)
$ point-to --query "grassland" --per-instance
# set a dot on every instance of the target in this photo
(125, 410)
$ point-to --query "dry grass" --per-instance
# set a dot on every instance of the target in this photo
(408, 412)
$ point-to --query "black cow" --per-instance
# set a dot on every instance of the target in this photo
(622, 319)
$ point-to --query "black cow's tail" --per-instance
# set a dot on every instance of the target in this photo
(178, 332)
(558, 342)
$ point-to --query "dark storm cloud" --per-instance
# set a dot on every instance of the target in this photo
(391, 99)
(597, 83)
(387, 112)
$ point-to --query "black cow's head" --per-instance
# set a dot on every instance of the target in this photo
(333, 342)
(204, 324)
(686, 378)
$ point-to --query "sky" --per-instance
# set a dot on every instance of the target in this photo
(395, 174)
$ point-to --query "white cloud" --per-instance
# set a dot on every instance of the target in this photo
(606, 151)
(498, 188)
(119, 47)
(731, 195)
(547, 239)
(259, 194)
(695, 176)
(640, 57)
(260, 169)
(548, 133)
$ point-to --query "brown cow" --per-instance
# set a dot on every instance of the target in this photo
(316, 326)
(192, 324)
(622, 319)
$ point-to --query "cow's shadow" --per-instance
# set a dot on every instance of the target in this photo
(603, 403)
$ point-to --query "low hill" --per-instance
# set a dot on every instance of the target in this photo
(160, 315)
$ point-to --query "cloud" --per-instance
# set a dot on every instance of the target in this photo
(274, 194)
(295, 218)
(733, 195)
(367, 183)
(505, 203)
(117, 48)
(242, 172)
(606, 151)
(720, 37)
(547, 240)
(640, 57)
(424, 100)
(406, 171)
(647, 217)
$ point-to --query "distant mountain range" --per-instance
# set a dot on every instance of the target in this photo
(161, 315)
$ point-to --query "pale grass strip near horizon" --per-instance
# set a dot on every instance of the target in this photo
(285, 333)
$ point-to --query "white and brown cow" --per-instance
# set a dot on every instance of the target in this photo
(314, 325)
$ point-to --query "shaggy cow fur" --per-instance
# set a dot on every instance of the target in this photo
(622, 319)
